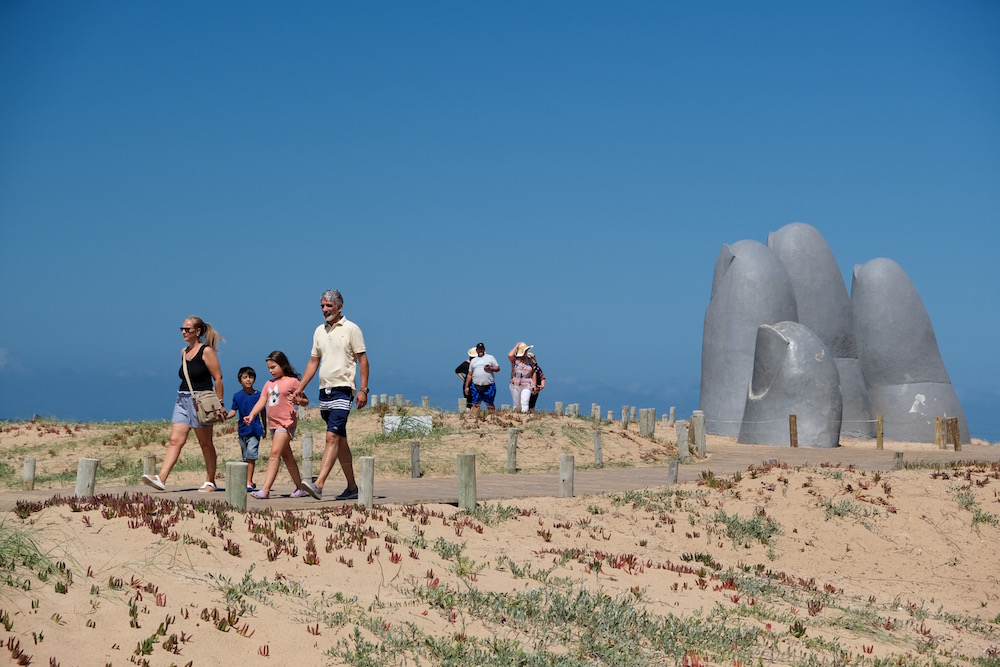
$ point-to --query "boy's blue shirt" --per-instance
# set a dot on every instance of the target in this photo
(244, 403)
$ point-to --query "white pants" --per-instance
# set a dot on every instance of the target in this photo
(519, 397)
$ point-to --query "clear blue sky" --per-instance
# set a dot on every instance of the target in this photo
(559, 172)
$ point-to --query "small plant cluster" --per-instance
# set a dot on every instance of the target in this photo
(974, 478)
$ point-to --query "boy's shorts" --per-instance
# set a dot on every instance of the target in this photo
(185, 412)
(249, 445)
(334, 407)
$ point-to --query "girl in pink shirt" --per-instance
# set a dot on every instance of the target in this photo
(278, 397)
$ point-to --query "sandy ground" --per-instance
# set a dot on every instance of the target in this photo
(778, 565)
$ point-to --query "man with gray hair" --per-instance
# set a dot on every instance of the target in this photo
(338, 352)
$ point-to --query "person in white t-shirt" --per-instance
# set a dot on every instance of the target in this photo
(479, 383)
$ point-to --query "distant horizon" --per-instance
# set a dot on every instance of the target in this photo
(977, 413)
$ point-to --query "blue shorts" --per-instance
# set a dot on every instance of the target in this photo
(248, 445)
(334, 407)
(185, 412)
(479, 394)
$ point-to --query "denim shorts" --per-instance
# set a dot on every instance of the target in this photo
(185, 412)
(249, 445)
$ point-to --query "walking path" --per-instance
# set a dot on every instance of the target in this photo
(722, 460)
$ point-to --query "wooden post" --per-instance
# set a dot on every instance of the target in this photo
(647, 422)
(384, 399)
(672, 472)
(425, 401)
(373, 401)
(955, 433)
(236, 484)
(595, 411)
(559, 407)
(366, 481)
(624, 417)
(611, 416)
(565, 475)
(399, 400)
(879, 429)
(939, 439)
(793, 431)
(598, 453)
(512, 450)
(683, 452)
(149, 464)
(86, 477)
(29, 474)
(467, 482)
(631, 413)
(504, 407)
(406, 403)
(463, 404)
(307, 457)
(898, 461)
(673, 412)
(414, 459)
(698, 426)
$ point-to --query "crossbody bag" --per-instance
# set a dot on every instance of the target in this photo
(206, 403)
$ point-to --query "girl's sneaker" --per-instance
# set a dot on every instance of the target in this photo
(251, 488)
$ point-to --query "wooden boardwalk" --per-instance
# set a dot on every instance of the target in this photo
(722, 460)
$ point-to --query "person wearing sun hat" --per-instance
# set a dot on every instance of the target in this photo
(522, 376)
(462, 371)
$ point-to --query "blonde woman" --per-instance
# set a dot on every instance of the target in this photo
(522, 376)
(206, 375)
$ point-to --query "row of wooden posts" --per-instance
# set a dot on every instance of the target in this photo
(946, 430)
(397, 401)
(236, 476)
(236, 471)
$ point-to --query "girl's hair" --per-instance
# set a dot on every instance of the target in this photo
(206, 334)
(279, 358)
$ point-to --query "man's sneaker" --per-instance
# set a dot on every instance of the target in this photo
(312, 489)
(348, 494)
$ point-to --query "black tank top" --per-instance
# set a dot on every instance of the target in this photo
(201, 379)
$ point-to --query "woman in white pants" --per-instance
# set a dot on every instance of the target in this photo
(522, 376)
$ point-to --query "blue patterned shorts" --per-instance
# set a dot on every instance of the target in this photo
(480, 394)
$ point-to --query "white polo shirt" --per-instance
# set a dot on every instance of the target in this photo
(337, 346)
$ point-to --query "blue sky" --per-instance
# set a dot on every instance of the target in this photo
(563, 173)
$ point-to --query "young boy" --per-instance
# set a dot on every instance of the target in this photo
(250, 434)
